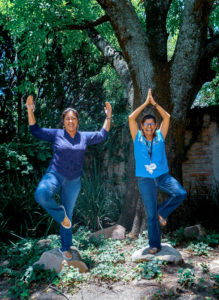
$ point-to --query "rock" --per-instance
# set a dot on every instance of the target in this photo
(114, 232)
(47, 295)
(44, 243)
(53, 259)
(195, 231)
(214, 266)
(122, 292)
(189, 297)
(167, 254)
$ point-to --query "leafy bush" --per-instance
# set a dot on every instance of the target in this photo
(186, 277)
(96, 202)
(71, 276)
(212, 239)
(20, 269)
(199, 249)
(149, 269)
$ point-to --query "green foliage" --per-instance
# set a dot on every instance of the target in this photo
(186, 277)
(96, 201)
(12, 160)
(205, 268)
(177, 237)
(174, 17)
(71, 276)
(209, 93)
(141, 241)
(149, 270)
(200, 249)
(21, 271)
(215, 277)
(19, 177)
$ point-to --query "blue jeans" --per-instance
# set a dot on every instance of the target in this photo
(51, 183)
(148, 189)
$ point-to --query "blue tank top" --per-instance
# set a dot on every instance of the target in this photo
(157, 165)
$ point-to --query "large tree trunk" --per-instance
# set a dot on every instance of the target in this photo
(174, 84)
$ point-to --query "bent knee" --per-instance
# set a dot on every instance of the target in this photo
(41, 195)
(182, 195)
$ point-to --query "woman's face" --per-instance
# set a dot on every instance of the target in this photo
(70, 122)
(149, 126)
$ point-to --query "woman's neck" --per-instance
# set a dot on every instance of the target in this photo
(149, 137)
(72, 133)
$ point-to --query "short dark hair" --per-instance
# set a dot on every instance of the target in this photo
(64, 113)
(146, 117)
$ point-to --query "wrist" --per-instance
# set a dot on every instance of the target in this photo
(108, 118)
(30, 106)
(155, 104)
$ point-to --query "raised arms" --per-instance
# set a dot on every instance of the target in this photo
(30, 110)
(133, 116)
(108, 112)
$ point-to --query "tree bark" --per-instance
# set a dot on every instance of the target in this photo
(174, 84)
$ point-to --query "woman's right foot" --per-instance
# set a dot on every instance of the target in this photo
(163, 222)
(66, 223)
(66, 254)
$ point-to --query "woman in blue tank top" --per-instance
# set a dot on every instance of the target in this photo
(152, 171)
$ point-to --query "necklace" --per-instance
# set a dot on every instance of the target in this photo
(150, 150)
(150, 168)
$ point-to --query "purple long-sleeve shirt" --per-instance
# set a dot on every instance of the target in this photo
(68, 152)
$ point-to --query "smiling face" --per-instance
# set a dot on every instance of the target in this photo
(149, 127)
(71, 122)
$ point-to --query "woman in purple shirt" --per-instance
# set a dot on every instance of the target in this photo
(65, 169)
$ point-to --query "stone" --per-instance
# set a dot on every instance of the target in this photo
(47, 295)
(114, 232)
(53, 259)
(195, 231)
(44, 243)
(122, 292)
(167, 254)
(214, 266)
(189, 297)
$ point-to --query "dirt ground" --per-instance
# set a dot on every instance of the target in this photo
(205, 287)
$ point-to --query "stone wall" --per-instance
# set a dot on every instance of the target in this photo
(201, 165)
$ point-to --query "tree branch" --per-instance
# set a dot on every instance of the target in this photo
(116, 59)
(84, 26)
(186, 60)
(205, 72)
(133, 42)
(156, 12)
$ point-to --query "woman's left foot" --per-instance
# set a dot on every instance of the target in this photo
(163, 222)
(154, 250)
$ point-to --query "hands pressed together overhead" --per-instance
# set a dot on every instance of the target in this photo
(150, 99)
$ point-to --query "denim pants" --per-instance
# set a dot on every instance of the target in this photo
(148, 190)
(51, 183)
